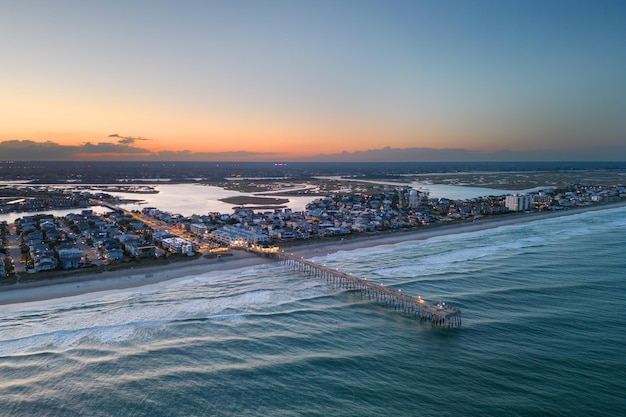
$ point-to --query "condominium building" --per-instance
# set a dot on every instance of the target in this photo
(518, 202)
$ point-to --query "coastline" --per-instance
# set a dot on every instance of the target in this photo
(94, 284)
(122, 279)
(320, 247)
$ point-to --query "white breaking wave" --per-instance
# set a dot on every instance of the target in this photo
(137, 314)
(129, 315)
(440, 255)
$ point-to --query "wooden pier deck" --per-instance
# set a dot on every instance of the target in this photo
(438, 314)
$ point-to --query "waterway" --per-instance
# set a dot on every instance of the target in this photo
(452, 192)
(189, 199)
(185, 199)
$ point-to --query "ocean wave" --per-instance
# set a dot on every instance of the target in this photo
(574, 232)
(130, 316)
(617, 223)
(456, 259)
(215, 276)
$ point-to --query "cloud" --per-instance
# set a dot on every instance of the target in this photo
(187, 155)
(388, 154)
(108, 148)
(28, 150)
(126, 140)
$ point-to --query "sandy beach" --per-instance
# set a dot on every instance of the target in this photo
(102, 283)
(122, 279)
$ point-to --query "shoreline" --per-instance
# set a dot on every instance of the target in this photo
(122, 279)
(320, 248)
(107, 282)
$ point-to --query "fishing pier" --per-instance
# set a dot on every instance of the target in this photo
(438, 314)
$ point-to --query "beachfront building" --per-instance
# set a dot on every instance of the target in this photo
(227, 238)
(136, 246)
(45, 262)
(518, 202)
(413, 199)
(178, 245)
(42, 256)
(112, 252)
(542, 201)
(141, 249)
(108, 248)
(71, 258)
(264, 247)
(237, 236)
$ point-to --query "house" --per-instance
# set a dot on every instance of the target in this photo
(139, 227)
(110, 249)
(45, 263)
(113, 252)
(71, 258)
(139, 248)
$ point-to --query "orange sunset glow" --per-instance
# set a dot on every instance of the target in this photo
(297, 82)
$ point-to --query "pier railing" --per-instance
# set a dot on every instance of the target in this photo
(438, 314)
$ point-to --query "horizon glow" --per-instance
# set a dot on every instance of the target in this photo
(279, 79)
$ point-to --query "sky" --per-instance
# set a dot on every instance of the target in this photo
(313, 80)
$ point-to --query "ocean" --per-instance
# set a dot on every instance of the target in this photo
(543, 334)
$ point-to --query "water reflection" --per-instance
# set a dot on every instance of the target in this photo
(185, 199)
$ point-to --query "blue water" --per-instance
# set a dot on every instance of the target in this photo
(543, 335)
